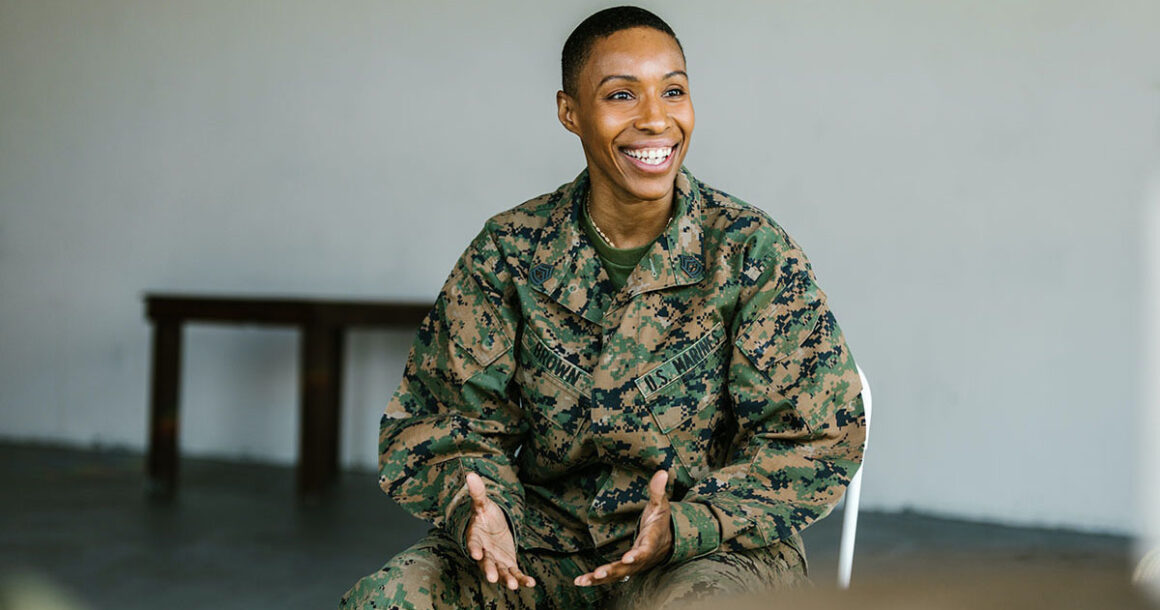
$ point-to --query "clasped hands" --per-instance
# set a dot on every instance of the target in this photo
(490, 542)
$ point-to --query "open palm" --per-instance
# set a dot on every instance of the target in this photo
(489, 539)
(654, 539)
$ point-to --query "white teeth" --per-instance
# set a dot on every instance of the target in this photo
(651, 156)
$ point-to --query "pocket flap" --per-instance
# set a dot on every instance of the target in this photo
(471, 320)
(672, 408)
(684, 361)
(784, 324)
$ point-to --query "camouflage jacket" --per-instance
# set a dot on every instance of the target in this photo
(719, 361)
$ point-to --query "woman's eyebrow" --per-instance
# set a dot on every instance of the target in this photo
(634, 79)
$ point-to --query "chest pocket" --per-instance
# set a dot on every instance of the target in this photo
(463, 316)
(684, 395)
(555, 397)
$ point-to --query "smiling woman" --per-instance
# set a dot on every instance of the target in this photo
(635, 370)
(631, 107)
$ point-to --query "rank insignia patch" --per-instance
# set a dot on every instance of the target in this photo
(541, 273)
(691, 265)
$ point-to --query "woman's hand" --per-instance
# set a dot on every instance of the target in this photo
(489, 539)
(654, 539)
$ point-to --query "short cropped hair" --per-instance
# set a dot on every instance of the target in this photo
(599, 25)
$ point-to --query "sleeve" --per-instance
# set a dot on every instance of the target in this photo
(453, 412)
(796, 396)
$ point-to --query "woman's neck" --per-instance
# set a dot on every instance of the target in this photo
(628, 223)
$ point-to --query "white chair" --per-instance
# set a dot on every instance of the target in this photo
(850, 514)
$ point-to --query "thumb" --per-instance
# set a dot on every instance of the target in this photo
(656, 486)
(476, 489)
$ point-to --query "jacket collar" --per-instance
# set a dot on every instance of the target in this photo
(566, 267)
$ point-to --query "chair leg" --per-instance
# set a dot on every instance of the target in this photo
(849, 531)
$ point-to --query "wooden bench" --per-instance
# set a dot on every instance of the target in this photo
(322, 324)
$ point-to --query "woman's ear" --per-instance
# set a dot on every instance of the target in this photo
(566, 112)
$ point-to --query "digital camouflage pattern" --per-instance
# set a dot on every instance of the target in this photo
(434, 573)
(719, 361)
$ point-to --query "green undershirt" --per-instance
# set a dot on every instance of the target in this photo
(618, 262)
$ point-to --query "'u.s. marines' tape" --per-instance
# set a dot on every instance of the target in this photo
(672, 369)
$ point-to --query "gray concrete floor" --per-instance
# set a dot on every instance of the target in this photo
(238, 537)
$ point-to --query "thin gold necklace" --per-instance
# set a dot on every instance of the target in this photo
(588, 209)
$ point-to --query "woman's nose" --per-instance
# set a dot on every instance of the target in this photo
(653, 117)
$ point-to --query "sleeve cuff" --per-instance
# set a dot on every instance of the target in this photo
(695, 531)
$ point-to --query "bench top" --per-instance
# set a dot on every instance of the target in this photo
(283, 311)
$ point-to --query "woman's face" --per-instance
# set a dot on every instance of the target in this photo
(633, 114)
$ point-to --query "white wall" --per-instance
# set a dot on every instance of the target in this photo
(1149, 449)
(966, 176)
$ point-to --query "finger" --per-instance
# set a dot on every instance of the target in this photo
(477, 490)
(475, 549)
(585, 580)
(509, 578)
(611, 573)
(489, 570)
(524, 579)
(656, 486)
(602, 573)
(640, 549)
(582, 580)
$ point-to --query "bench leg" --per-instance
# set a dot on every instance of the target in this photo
(163, 414)
(321, 379)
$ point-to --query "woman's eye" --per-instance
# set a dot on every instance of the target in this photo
(620, 95)
(675, 92)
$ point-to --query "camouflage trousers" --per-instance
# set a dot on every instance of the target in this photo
(434, 573)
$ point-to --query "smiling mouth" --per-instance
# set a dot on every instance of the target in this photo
(652, 156)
